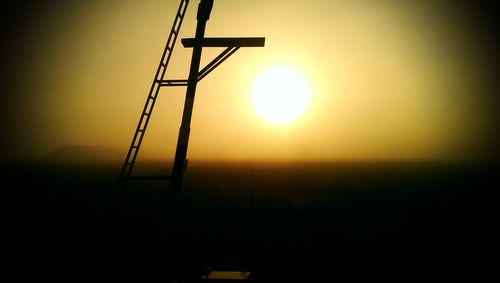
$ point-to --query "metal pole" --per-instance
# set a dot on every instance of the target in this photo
(204, 9)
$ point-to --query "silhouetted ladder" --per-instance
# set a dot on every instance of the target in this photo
(195, 75)
(158, 82)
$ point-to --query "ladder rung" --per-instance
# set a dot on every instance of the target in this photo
(149, 177)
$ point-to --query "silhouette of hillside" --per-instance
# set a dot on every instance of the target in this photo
(83, 153)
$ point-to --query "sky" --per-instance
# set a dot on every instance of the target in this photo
(388, 79)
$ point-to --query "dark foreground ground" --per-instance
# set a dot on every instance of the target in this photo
(307, 222)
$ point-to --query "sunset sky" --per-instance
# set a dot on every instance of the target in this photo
(388, 79)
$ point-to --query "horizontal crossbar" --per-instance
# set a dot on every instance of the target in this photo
(173, 82)
(225, 42)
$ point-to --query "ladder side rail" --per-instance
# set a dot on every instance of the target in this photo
(172, 38)
(162, 68)
(134, 146)
(155, 87)
(160, 74)
(151, 99)
(142, 130)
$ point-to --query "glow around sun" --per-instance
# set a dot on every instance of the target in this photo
(280, 95)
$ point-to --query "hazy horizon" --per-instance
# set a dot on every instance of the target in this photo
(95, 154)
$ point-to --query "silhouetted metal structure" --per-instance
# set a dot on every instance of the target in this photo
(195, 75)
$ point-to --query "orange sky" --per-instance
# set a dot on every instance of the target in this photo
(389, 80)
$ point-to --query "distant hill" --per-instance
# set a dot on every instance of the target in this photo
(84, 153)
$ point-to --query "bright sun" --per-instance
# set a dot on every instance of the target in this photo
(280, 95)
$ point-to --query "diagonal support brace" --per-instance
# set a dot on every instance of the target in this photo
(217, 61)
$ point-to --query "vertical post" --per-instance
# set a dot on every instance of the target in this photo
(204, 9)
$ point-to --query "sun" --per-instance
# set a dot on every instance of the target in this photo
(280, 95)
